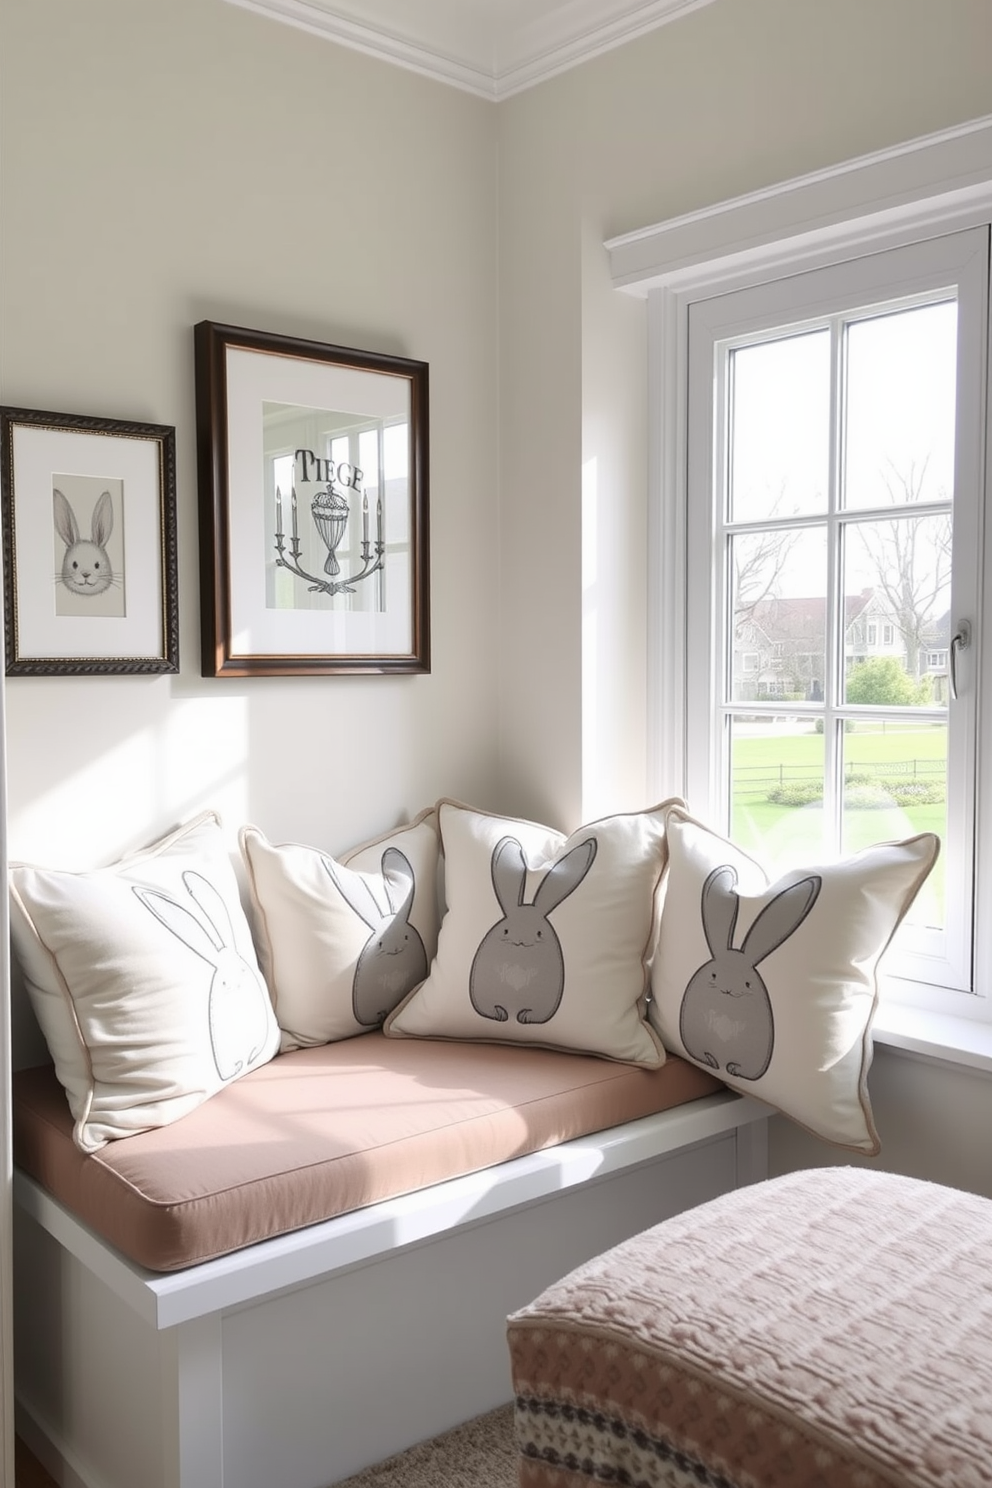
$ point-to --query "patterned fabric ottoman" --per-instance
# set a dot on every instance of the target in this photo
(828, 1329)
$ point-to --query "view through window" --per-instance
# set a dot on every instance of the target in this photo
(833, 540)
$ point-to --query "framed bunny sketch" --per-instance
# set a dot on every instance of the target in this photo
(313, 475)
(89, 545)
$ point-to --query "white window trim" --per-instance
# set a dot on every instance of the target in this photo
(916, 190)
(939, 960)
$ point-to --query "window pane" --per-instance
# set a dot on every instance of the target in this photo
(776, 772)
(368, 457)
(898, 619)
(895, 785)
(779, 587)
(396, 450)
(901, 392)
(780, 428)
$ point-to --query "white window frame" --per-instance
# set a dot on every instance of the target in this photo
(941, 961)
(922, 189)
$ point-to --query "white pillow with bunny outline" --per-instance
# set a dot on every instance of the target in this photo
(547, 938)
(341, 942)
(773, 985)
(144, 980)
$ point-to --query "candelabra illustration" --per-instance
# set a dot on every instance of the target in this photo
(330, 512)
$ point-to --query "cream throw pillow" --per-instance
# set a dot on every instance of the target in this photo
(144, 980)
(546, 938)
(773, 985)
(341, 942)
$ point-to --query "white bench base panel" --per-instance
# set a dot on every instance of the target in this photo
(304, 1359)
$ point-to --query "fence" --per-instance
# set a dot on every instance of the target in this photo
(754, 782)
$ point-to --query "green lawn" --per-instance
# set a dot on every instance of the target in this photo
(771, 830)
(803, 751)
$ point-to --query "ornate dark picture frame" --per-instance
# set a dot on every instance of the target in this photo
(312, 465)
(89, 545)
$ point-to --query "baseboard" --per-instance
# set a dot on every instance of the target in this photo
(41, 1442)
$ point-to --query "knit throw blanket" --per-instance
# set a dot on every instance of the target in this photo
(829, 1329)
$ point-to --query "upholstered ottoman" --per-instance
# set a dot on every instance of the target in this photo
(828, 1329)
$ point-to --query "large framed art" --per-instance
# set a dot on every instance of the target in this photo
(89, 545)
(313, 483)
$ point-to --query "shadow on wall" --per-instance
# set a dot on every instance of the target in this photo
(927, 1116)
(97, 767)
(357, 756)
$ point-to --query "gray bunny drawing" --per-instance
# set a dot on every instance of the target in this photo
(86, 566)
(519, 968)
(726, 1016)
(393, 960)
(238, 1002)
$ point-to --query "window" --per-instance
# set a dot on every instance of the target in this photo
(924, 195)
(834, 480)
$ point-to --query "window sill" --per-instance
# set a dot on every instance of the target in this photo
(935, 1037)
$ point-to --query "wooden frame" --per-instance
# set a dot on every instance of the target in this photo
(313, 483)
(89, 545)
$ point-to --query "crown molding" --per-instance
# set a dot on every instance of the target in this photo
(492, 48)
(566, 34)
(899, 189)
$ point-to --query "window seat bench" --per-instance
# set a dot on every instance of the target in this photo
(314, 1269)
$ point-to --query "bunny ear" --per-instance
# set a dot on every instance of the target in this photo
(564, 876)
(203, 893)
(719, 907)
(183, 925)
(780, 918)
(355, 892)
(399, 879)
(65, 519)
(509, 873)
(103, 520)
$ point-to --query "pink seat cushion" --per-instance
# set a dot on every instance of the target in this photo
(318, 1132)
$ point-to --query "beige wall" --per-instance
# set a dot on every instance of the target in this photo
(168, 161)
(933, 1122)
(730, 98)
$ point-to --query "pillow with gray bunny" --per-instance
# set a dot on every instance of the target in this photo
(144, 980)
(342, 941)
(547, 938)
(773, 986)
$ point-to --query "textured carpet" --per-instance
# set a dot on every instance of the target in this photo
(480, 1454)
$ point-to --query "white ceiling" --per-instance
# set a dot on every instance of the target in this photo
(489, 47)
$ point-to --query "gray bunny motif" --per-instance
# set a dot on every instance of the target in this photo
(238, 1002)
(393, 960)
(86, 565)
(726, 1015)
(519, 967)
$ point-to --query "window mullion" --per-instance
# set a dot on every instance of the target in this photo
(836, 608)
(723, 597)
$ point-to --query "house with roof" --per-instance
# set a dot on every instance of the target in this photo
(780, 643)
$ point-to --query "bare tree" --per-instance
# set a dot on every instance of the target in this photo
(759, 561)
(911, 558)
(763, 620)
(758, 566)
